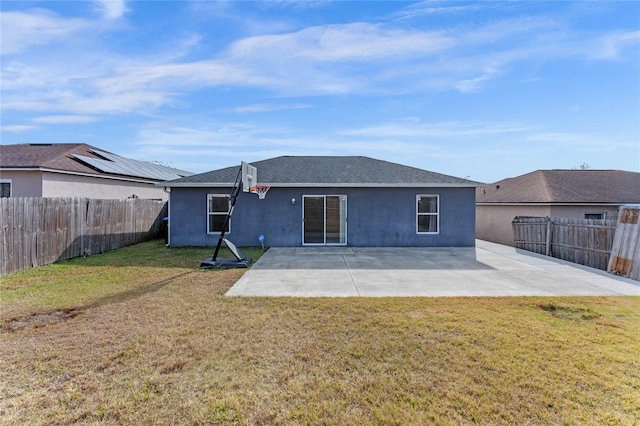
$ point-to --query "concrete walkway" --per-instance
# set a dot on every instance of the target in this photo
(487, 270)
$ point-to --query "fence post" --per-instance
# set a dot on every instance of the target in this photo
(549, 230)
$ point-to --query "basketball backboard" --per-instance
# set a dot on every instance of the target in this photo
(249, 176)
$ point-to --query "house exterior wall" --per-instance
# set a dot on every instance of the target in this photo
(578, 212)
(36, 183)
(375, 217)
(24, 183)
(493, 222)
(66, 185)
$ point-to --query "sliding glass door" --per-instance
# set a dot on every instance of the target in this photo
(313, 220)
(324, 220)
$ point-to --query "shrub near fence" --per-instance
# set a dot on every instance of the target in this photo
(584, 241)
(39, 231)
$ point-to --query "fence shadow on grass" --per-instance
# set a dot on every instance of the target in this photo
(131, 294)
(40, 319)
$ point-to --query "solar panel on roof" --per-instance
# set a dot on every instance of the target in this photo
(115, 164)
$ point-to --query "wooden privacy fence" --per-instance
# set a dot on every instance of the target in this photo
(584, 241)
(40, 231)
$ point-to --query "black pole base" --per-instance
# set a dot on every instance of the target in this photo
(225, 263)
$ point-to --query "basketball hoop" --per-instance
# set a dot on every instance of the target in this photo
(261, 190)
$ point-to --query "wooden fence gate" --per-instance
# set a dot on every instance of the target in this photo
(39, 231)
(584, 241)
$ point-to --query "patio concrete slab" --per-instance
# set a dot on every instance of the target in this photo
(487, 270)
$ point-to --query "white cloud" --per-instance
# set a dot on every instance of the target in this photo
(450, 129)
(112, 9)
(352, 58)
(18, 128)
(98, 104)
(35, 27)
(473, 84)
(426, 8)
(610, 46)
(344, 42)
(268, 107)
(20, 76)
(64, 119)
(181, 75)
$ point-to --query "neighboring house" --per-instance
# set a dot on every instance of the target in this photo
(332, 201)
(581, 194)
(78, 170)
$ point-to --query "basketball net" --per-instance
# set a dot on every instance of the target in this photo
(261, 190)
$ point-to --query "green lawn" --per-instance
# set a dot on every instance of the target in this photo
(142, 336)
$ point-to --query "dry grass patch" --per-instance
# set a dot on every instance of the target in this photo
(164, 346)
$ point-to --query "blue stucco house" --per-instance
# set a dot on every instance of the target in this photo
(326, 201)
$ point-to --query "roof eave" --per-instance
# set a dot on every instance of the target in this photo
(169, 184)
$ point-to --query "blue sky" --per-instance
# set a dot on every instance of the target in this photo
(485, 90)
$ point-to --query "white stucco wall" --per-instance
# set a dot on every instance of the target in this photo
(65, 185)
(35, 183)
(24, 183)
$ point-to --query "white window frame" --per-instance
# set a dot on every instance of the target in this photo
(436, 214)
(209, 197)
(10, 182)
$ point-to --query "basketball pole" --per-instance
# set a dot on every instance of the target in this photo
(237, 187)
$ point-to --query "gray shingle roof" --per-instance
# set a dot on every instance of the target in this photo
(82, 158)
(565, 186)
(289, 171)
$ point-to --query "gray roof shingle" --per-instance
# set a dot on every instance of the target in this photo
(565, 186)
(289, 171)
